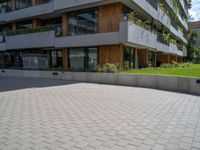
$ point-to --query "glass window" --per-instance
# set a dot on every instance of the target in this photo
(56, 59)
(83, 58)
(76, 57)
(2, 61)
(129, 56)
(20, 4)
(92, 57)
(73, 24)
(24, 25)
(151, 59)
(83, 22)
(13, 59)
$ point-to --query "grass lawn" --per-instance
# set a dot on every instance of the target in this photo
(192, 71)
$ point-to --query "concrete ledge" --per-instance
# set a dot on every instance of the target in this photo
(170, 83)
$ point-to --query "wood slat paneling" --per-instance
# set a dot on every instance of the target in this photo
(110, 17)
(111, 54)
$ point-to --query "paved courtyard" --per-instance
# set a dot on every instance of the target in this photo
(42, 114)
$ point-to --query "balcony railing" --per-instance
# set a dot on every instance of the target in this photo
(161, 39)
(31, 30)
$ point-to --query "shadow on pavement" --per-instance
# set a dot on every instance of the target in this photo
(17, 83)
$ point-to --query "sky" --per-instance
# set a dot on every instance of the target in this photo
(195, 11)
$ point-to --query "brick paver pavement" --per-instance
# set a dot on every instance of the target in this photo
(86, 116)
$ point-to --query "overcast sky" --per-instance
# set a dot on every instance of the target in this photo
(195, 11)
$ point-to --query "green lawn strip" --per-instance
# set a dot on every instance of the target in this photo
(192, 71)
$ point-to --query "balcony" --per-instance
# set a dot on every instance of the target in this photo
(163, 18)
(162, 45)
(30, 11)
(173, 48)
(173, 30)
(147, 6)
(88, 40)
(183, 22)
(41, 38)
(184, 6)
(135, 35)
(170, 3)
(181, 36)
(65, 4)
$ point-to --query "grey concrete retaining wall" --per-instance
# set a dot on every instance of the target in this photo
(170, 83)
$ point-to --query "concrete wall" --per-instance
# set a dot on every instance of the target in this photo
(30, 12)
(2, 46)
(177, 84)
(138, 35)
(88, 40)
(162, 17)
(32, 40)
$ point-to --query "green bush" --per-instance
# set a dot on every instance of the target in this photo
(126, 65)
(27, 31)
(107, 68)
(175, 64)
(167, 66)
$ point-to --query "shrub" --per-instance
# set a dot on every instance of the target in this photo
(126, 65)
(27, 31)
(167, 66)
(175, 64)
(92, 67)
(107, 68)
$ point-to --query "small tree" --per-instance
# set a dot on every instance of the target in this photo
(193, 52)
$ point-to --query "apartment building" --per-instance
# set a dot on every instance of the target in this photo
(196, 27)
(79, 34)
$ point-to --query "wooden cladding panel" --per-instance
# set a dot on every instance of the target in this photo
(160, 57)
(110, 17)
(65, 58)
(143, 56)
(64, 24)
(180, 59)
(111, 54)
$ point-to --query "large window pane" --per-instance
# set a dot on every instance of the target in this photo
(56, 59)
(83, 22)
(76, 57)
(92, 55)
(83, 58)
(151, 59)
(2, 61)
(129, 56)
(87, 22)
(73, 24)
(24, 25)
(23, 3)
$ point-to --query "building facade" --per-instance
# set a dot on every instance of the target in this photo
(79, 34)
(196, 27)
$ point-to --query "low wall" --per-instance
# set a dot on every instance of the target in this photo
(177, 84)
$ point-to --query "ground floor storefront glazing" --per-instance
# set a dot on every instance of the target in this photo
(84, 58)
